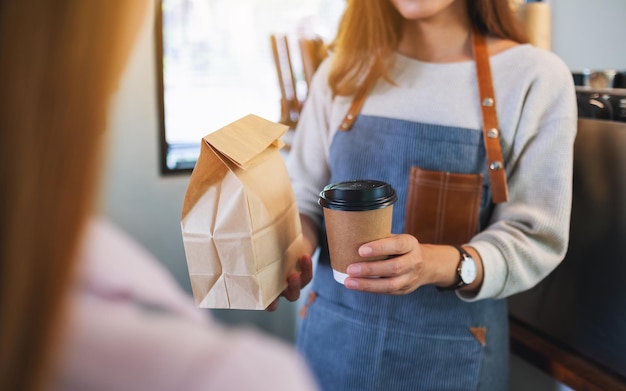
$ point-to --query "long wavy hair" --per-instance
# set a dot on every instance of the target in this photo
(60, 63)
(370, 31)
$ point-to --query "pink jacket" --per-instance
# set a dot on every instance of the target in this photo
(133, 328)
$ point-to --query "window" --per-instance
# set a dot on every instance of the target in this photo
(217, 64)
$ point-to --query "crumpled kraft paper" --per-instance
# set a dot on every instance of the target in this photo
(240, 224)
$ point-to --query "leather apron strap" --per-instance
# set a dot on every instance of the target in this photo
(491, 133)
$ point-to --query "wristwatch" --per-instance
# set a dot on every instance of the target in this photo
(465, 271)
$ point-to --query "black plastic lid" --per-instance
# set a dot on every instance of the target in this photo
(357, 195)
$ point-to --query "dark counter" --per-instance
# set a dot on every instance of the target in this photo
(582, 304)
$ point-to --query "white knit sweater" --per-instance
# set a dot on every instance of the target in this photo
(536, 108)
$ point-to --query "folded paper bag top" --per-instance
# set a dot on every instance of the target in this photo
(240, 224)
(247, 139)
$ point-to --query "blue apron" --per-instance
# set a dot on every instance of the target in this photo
(424, 340)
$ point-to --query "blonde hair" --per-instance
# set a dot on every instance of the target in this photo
(60, 62)
(370, 31)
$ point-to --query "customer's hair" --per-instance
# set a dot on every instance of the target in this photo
(60, 61)
(370, 31)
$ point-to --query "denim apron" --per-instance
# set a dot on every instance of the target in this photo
(424, 340)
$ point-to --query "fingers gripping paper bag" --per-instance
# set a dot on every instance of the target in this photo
(240, 223)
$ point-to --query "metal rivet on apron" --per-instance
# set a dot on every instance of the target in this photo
(488, 102)
(492, 133)
(349, 116)
(496, 165)
(344, 125)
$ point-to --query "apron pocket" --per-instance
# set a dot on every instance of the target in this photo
(443, 207)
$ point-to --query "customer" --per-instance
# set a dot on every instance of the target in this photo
(81, 306)
(421, 326)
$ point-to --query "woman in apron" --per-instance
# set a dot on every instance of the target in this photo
(436, 319)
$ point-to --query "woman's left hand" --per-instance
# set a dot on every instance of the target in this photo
(403, 272)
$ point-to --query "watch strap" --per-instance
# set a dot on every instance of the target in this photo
(459, 281)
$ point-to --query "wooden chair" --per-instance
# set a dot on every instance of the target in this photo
(289, 103)
(312, 52)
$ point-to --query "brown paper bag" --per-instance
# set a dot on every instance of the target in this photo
(240, 223)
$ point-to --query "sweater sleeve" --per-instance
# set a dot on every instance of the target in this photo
(308, 159)
(528, 235)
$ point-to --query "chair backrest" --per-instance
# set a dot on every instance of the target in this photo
(289, 103)
(312, 51)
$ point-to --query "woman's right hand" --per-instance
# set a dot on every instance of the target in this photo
(304, 268)
(295, 281)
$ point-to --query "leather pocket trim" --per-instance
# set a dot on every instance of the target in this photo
(443, 207)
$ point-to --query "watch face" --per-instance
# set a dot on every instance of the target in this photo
(468, 271)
